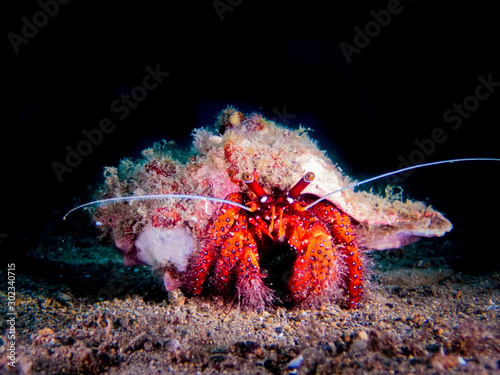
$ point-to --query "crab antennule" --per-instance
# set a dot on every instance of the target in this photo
(155, 196)
(396, 172)
(301, 185)
(248, 179)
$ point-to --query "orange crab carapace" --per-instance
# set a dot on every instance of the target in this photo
(317, 242)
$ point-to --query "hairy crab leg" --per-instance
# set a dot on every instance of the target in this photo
(202, 265)
(252, 291)
(230, 253)
(313, 273)
(342, 232)
(217, 233)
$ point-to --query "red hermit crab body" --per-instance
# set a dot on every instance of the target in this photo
(270, 240)
(323, 251)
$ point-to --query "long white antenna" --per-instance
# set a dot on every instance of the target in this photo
(396, 172)
(155, 196)
(212, 199)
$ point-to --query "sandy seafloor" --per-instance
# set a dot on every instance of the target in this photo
(80, 311)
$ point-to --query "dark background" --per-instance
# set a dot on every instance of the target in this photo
(258, 57)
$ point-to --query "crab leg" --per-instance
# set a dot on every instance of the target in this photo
(343, 234)
(230, 252)
(251, 288)
(205, 260)
(202, 265)
(260, 227)
(313, 272)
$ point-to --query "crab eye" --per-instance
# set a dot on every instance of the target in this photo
(264, 199)
(249, 179)
(290, 200)
(309, 177)
(301, 185)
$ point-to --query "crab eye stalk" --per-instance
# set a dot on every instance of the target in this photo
(301, 185)
(254, 186)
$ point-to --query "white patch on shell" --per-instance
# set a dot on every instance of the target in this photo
(326, 181)
(158, 246)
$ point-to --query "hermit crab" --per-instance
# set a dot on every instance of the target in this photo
(323, 250)
(256, 213)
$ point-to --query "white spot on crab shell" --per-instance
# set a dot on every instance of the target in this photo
(158, 246)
